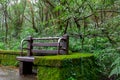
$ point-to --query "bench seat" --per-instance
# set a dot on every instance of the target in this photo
(25, 58)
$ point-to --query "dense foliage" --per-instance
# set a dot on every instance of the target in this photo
(93, 26)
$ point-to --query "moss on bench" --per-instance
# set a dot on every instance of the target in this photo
(76, 66)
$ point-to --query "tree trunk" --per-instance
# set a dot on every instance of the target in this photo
(6, 22)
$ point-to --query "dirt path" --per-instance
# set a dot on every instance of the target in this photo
(12, 73)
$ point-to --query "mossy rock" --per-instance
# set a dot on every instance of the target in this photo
(76, 66)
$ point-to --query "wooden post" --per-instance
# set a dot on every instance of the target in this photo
(66, 43)
(25, 68)
(30, 47)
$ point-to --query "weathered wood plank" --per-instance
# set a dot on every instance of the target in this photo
(48, 51)
(55, 44)
(46, 38)
(25, 58)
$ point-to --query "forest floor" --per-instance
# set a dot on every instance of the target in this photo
(12, 73)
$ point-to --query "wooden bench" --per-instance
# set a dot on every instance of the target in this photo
(26, 62)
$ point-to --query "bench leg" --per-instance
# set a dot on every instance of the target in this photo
(25, 68)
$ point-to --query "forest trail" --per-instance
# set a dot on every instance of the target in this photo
(12, 73)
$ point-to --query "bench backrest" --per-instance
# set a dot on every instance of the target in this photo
(61, 45)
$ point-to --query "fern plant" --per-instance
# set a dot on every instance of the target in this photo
(116, 68)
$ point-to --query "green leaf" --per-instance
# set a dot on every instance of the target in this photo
(116, 62)
(115, 71)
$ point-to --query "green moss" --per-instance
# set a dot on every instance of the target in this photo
(10, 52)
(57, 60)
(76, 66)
(51, 74)
(9, 57)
